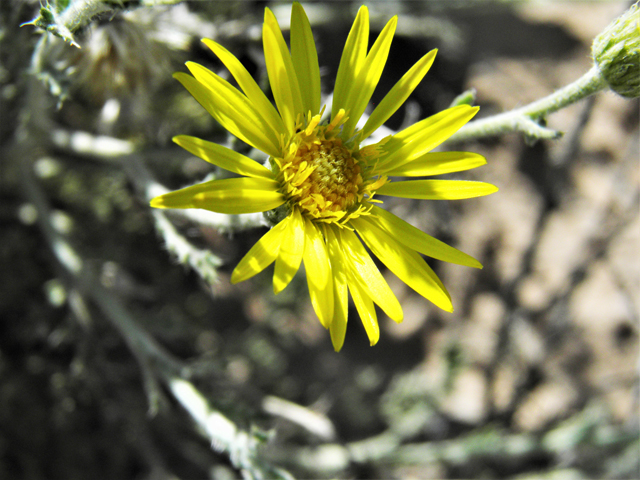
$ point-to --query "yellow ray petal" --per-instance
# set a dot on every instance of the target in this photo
(232, 195)
(222, 157)
(415, 239)
(366, 310)
(318, 269)
(282, 75)
(305, 59)
(338, 328)
(424, 136)
(229, 107)
(353, 56)
(410, 133)
(261, 255)
(372, 281)
(406, 264)
(368, 77)
(438, 163)
(437, 189)
(249, 86)
(291, 251)
(398, 94)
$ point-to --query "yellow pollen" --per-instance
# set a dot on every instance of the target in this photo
(326, 179)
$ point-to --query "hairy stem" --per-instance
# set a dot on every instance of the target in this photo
(524, 119)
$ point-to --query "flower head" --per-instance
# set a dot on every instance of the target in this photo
(322, 175)
(616, 51)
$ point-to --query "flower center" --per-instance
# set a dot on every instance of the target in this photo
(324, 178)
(329, 177)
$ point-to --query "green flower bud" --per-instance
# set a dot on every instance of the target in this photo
(465, 98)
(616, 52)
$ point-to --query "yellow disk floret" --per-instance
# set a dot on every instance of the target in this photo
(327, 177)
(322, 176)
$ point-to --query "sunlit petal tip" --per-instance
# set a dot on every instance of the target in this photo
(444, 306)
(158, 202)
(337, 338)
(398, 319)
(212, 44)
(300, 13)
(173, 200)
(485, 189)
(271, 21)
(363, 10)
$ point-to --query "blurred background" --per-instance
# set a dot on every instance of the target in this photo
(534, 375)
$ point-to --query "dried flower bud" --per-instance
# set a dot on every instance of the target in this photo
(616, 52)
(119, 59)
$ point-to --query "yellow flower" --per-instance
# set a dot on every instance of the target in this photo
(321, 180)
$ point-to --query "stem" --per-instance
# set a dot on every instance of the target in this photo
(523, 119)
(241, 445)
(80, 13)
